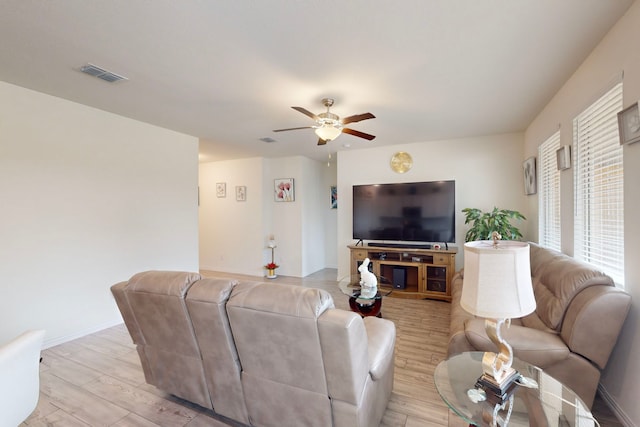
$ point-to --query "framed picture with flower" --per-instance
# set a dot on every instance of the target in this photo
(241, 193)
(284, 190)
(221, 189)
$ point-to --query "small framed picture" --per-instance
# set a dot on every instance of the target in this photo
(563, 157)
(334, 197)
(241, 193)
(284, 190)
(221, 189)
(529, 167)
(629, 124)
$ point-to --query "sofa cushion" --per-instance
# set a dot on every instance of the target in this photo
(557, 278)
(536, 347)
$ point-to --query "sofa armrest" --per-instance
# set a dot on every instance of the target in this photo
(381, 336)
(119, 294)
(533, 346)
(594, 320)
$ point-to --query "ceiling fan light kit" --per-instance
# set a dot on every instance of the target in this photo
(328, 132)
(329, 126)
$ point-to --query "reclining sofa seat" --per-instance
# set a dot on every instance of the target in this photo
(154, 310)
(184, 342)
(571, 334)
(305, 363)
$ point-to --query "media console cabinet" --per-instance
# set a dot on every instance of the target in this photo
(413, 273)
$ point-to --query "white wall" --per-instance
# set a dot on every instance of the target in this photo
(88, 199)
(314, 199)
(487, 171)
(330, 216)
(233, 235)
(615, 55)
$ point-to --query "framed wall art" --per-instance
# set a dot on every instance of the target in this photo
(529, 167)
(563, 157)
(221, 189)
(241, 193)
(629, 124)
(284, 190)
(334, 197)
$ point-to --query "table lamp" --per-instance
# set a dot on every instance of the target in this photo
(497, 286)
(271, 244)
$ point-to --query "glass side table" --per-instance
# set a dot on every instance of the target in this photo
(361, 302)
(545, 402)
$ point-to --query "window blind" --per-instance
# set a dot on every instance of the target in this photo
(549, 230)
(598, 181)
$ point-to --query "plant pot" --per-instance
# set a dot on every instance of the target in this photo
(271, 273)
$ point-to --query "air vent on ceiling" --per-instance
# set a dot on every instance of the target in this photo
(101, 73)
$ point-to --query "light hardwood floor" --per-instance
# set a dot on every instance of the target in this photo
(97, 380)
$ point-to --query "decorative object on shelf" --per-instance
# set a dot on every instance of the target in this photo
(563, 157)
(271, 267)
(483, 224)
(368, 280)
(221, 189)
(334, 197)
(629, 124)
(529, 167)
(497, 286)
(284, 190)
(241, 193)
(401, 162)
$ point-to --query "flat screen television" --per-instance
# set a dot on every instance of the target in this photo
(405, 212)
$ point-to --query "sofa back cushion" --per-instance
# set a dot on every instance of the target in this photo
(207, 305)
(557, 279)
(276, 335)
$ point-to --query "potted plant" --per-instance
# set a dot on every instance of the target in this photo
(271, 270)
(483, 224)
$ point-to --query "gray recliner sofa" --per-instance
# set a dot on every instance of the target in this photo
(579, 315)
(262, 354)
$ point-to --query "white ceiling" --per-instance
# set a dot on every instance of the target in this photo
(228, 71)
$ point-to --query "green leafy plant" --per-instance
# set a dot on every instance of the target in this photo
(485, 223)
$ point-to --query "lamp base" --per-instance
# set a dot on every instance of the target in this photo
(498, 392)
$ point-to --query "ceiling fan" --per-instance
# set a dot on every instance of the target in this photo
(329, 126)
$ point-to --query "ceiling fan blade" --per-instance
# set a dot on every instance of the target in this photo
(357, 118)
(321, 141)
(358, 133)
(282, 130)
(306, 112)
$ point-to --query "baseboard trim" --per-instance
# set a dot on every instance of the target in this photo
(61, 340)
(615, 408)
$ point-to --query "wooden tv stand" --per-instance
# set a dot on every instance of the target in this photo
(419, 273)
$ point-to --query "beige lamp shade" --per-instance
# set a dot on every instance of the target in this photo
(497, 280)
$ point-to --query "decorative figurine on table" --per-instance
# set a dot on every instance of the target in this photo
(368, 280)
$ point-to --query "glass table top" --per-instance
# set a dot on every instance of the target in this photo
(351, 286)
(540, 401)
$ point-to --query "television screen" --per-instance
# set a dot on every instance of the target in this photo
(414, 211)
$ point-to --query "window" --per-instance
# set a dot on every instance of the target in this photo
(598, 180)
(549, 193)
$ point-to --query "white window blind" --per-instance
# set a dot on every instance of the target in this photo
(598, 180)
(549, 193)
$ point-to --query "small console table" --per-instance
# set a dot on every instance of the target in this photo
(411, 272)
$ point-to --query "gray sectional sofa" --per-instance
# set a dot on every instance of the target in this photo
(573, 330)
(262, 354)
